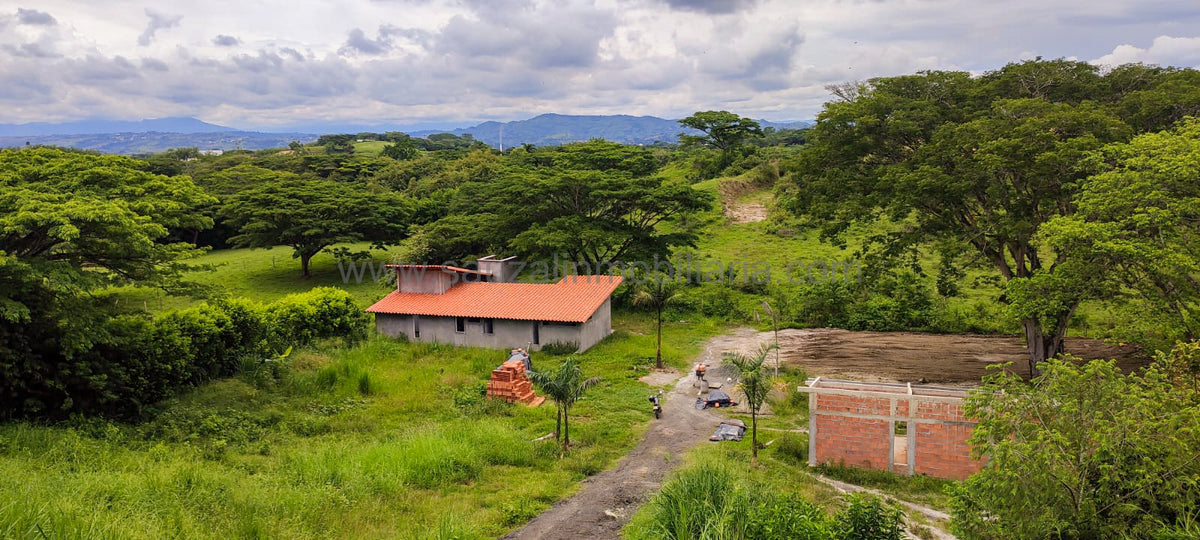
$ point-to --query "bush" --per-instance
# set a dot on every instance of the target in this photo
(323, 312)
(869, 518)
(1084, 451)
(708, 299)
(699, 502)
(786, 516)
(560, 348)
(134, 361)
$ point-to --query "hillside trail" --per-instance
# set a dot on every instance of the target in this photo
(607, 500)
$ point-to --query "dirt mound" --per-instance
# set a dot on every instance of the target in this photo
(746, 212)
(925, 358)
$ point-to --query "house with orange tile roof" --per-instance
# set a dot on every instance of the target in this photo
(485, 308)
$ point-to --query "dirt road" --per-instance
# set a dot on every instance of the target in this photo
(608, 499)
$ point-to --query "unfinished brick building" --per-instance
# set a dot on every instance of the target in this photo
(898, 428)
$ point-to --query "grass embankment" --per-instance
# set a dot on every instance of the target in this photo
(780, 241)
(386, 439)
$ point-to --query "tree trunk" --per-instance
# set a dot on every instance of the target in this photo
(558, 425)
(658, 359)
(566, 443)
(753, 438)
(304, 258)
(1042, 346)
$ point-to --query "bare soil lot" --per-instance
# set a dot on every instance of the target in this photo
(959, 359)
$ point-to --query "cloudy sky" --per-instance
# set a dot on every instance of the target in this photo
(270, 64)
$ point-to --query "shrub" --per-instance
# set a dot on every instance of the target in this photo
(699, 502)
(560, 348)
(132, 361)
(869, 518)
(324, 312)
(772, 515)
(1083, 451)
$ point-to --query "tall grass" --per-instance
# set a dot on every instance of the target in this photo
(335, 442)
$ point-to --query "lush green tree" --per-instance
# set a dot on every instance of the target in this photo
(312, 215)
(1137, 221)
(1083, 451)
(401, 149)
(582, 206)
(656, 292)
(564, 386)
(961, 162)
(337, 144)
(725, 133)
(72, 224)
(755, 382)
(723, 130)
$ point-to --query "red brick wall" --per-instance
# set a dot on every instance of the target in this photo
(857, 442)
(941, 445)
(942, 451)
(854, 404)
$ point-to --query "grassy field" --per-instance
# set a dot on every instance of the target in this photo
(385, 439)
(370, 148)
(266, 274)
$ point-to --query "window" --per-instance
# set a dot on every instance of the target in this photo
(460, 325)
(487, 326)
(416, 326)
(537, 339)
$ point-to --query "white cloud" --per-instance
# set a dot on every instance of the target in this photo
(262, 63)
(1164, 50)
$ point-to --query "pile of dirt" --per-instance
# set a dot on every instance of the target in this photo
(960, 359)
(746, 212)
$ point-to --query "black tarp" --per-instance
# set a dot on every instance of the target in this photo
(715, 398)
(729, 430)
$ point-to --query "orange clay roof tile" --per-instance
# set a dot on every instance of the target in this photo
(572, 299)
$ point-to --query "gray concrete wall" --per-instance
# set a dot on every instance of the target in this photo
(596, 328)
(506, 333)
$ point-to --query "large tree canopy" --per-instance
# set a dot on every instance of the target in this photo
(595, 202)
(1138, 223)
(980, 162)
(310, 215)
(722, 130)
(84, 221)
(71, 224)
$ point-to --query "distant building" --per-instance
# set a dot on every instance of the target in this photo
(211, 152)
(484, 308)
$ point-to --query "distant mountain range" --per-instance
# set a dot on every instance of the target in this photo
(145, 136)
(153, 142)
(554, 129)
(93, 127)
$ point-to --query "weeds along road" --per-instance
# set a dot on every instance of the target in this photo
(607, 500)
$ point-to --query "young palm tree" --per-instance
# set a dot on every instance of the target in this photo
(656, 293)
(564, 386)
(755, 382)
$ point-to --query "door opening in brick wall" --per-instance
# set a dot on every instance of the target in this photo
(900, 444)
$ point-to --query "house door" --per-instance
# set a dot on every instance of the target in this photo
(416, 326)
(537, 338)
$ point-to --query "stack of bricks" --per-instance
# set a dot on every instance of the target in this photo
(510, 384)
